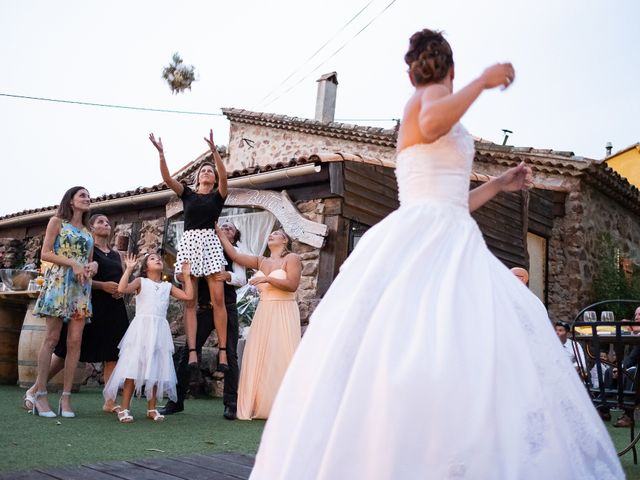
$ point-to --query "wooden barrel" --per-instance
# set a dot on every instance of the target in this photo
(10, 323)
(33, 331)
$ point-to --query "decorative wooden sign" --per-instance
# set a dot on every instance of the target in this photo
(279, 204)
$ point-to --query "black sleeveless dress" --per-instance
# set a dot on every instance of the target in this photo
(109, 322)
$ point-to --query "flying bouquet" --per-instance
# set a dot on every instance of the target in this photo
(248, 297)
(178, 75)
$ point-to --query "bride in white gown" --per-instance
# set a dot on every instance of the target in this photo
(427, 358)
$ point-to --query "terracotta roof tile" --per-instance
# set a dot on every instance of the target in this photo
(356, 133)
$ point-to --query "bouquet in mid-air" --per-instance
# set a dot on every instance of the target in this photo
(179, 75)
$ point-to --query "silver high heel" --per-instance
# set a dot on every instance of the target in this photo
(65, 413)
(48, 414)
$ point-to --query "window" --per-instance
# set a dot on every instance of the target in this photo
(537, 249)
(356, 231)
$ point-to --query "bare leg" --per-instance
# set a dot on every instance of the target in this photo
(74, 339)
(107, 370)
(216, 289)
(152, 413)
(56, 366)
(54, 325)
(151, 401)
(127, 393)
(191, 324)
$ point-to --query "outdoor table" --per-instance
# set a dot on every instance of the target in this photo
(592, 336)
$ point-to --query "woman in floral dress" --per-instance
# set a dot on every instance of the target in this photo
(66, 293)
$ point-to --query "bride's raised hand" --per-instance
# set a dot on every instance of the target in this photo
(516, 178)
(497, 75)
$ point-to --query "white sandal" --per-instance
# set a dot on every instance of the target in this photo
(124, 416)
(28, 401)
(157, 417)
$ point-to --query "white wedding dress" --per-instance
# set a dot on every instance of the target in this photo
(428, 359)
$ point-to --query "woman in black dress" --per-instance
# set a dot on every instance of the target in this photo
(109, 322)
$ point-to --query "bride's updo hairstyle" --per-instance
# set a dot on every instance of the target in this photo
(429, 57)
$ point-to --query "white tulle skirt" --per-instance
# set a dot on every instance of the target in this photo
(146, 356)
(428, 359)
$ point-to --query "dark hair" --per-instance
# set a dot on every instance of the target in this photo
(429, 57)
(237, 235)
(93, 218)
(65, 210)
(143, 265)
(197, 177)
(287, 247)
(563, 324)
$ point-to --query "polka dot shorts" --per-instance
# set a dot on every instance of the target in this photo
(203, 250)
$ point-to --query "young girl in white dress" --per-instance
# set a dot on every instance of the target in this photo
(427, 358)
(146, 350)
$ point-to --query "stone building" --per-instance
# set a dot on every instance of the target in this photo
(340, 178)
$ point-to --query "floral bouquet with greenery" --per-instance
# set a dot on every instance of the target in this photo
(247, 301)
(178, 75)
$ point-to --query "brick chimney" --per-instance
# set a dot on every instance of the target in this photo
(326, 99)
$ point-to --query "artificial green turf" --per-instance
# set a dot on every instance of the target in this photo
(620, 437)
(28, 442)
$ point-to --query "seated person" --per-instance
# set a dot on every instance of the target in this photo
(570, 347)
(606, 372)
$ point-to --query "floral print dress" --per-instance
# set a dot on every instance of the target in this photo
(62, 295)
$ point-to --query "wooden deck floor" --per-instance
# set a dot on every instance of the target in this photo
(217, 466)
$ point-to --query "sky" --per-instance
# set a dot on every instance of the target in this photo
(577, 77)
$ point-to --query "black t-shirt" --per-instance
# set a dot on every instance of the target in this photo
(201, 210)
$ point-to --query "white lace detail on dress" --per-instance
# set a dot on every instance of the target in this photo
(437, 171)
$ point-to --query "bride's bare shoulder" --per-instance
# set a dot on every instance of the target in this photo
(432, 93)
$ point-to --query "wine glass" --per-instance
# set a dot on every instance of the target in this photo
(607, 316)
(589, 316)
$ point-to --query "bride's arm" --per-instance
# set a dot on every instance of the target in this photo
(440, 110)
(514, 179)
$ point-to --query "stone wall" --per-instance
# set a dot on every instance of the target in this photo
(271, 145)
(307, 293)
(11, 253)
(573, 247)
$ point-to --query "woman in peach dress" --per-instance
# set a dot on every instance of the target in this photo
(275, 329)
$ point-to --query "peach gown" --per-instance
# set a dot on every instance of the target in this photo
(273, 338)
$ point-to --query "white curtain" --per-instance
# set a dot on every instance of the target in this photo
(255, 228)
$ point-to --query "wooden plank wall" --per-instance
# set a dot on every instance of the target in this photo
(544, 205)
(370, 192)
(503, 225)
